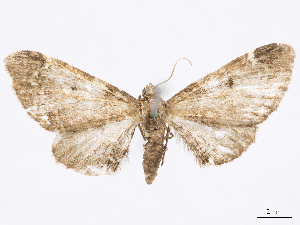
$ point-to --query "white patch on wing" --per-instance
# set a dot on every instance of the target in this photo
(46, 65)
(45, 119)
(220, 134)
(94, 171)
(224, 149)
(213, 83)
(251, 57)
(88, 87)
(31, 109)
(262, 111)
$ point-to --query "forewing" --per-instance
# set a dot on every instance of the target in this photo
(213, 144)
(243, 92)
(216, 116)
(95, 151)
(61, 97)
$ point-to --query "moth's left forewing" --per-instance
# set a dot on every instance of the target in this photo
(243, 92)
(216, 116)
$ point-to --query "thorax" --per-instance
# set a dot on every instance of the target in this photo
(152, 111)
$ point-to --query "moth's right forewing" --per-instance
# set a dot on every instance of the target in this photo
(243, 92)
(63, 98)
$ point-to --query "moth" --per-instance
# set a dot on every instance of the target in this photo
(216, 117)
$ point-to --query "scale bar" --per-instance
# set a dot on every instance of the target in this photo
(274, 217)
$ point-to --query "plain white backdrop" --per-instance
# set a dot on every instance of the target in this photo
(130, 44)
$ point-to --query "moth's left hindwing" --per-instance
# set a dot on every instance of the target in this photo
(216, 116)
(87, 112)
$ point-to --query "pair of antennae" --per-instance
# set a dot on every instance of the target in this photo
(173, 71)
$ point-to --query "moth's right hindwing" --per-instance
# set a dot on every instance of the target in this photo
(64, 99)
(216, 116)
(95, 151)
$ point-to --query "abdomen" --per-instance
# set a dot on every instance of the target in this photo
(154, 148)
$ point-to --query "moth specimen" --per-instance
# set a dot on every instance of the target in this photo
(216, 117)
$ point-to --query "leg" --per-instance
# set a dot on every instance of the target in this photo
(167, 137)
(142, 132)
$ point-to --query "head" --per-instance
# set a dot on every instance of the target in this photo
(151, 91)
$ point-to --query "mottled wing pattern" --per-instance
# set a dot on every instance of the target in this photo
(213, 144)
(61, 97)
(217, 116)
(95, 151)
(73, 103)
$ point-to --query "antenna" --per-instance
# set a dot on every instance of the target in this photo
(173, 71)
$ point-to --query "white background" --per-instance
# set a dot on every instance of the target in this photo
(129, 44)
